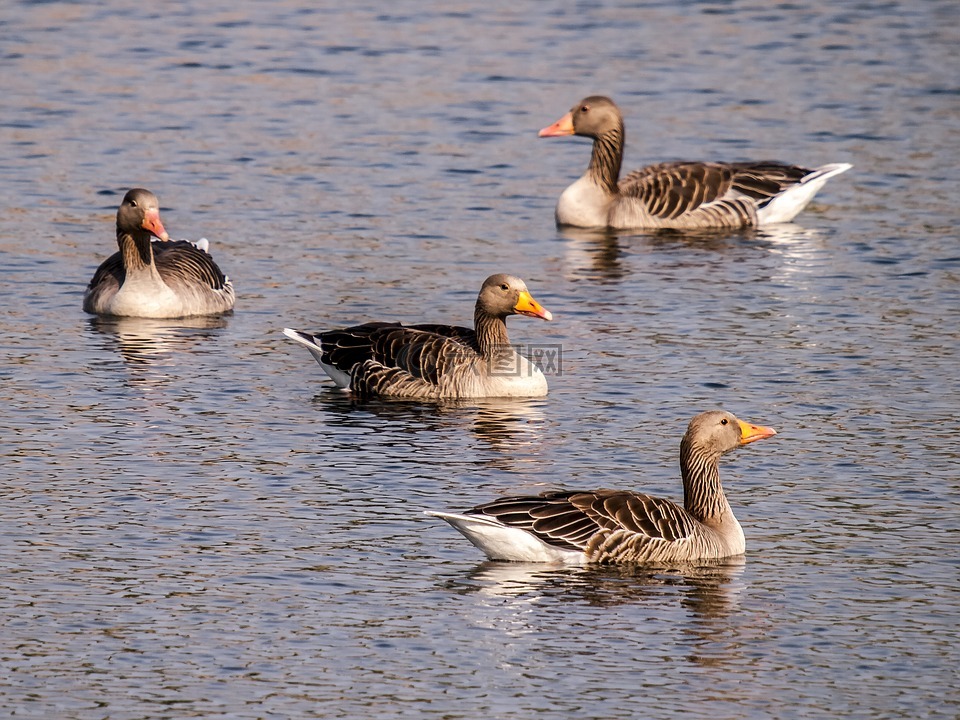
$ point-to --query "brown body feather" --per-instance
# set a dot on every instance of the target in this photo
(585, 521)
(377, 355)
(179, 263)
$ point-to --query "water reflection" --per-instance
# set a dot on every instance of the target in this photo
(509, 424)
(503, 424)
(725, 241)
(146, 343)
(709, 590)
(594, 253)
(799, 250)
(601, 255)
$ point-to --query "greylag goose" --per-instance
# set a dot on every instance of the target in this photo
(677, 195)
(436, 361)
(168, 279)
(620, 526)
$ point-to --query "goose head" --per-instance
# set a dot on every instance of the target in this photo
(592, 117)
(502, 295)
(139, 212)
(714, 433)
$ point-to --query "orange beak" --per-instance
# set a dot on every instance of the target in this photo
(151, 222)
(749, 433)
(563, 126)
(526, 305)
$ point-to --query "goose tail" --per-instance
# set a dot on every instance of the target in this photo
(502, 542)
(786, 206)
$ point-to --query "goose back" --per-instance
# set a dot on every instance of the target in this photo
(413, 363)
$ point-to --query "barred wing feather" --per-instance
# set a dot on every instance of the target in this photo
(180, 262)
(571, 519)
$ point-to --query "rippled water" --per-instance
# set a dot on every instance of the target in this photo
(196, 525)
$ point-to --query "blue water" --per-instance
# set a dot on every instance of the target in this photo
(196, 525)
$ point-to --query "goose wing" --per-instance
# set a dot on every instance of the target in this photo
(348, 347)
(705, 195)
(460, 334)
(424, 352)
(672, 189)
(763, 181)
(669, 190)
(572, 519)
(181, 263)
(108, 277)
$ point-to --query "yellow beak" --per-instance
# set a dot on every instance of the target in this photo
(526, 305)
(749, 433)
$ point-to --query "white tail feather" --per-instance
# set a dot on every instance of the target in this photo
(502, 542)
(341, 378)
(787, 206)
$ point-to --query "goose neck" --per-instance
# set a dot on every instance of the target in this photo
(491, 332)
(703, 495)
(135, 249)
(606, 158)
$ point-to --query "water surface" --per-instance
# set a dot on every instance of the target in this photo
(195, 524)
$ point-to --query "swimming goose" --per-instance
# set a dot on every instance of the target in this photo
(169, 279)
(436, 361)
(620, 526)
(678, 195)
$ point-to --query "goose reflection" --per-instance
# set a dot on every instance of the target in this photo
(144, 342)
(706, 589)
(801, 251)
(594, 253)
(770, 238)
(509, 425)
(603, 255)
(503, 424)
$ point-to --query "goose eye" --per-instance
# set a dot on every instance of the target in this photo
(723, 422)
(133, 203)
(585, 108)
(504, 286)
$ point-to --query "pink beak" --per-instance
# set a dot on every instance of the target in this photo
(563, 126)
